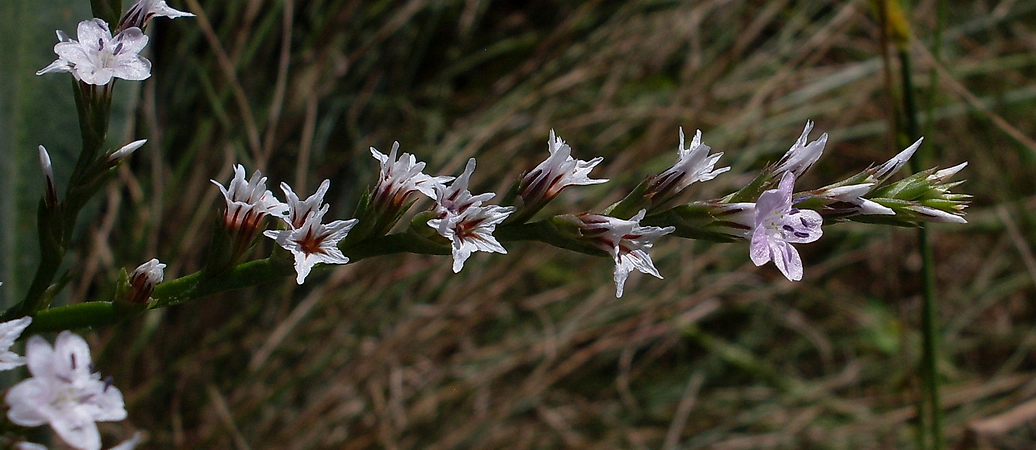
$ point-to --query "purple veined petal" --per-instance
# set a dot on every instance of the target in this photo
(802, 228)
(759, 249)
(787, 260)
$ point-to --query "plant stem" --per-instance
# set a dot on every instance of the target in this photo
(929, 327)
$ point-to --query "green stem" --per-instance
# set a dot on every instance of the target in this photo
(929, 326)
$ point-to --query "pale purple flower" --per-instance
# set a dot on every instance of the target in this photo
(64, 392)
(97, 57)
(248, 202)
(400, 177)
(559, 171)
(801, 156)
(778, 225)
(460, 218)
(143, 11)
(471, 231)
(298, 210)
(9, 332)
(626, 241)
(313, 242)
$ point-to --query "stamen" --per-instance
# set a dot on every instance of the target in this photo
(801, 234)
(804, 222)
(73, 361)
(788, 228)
(794, 211)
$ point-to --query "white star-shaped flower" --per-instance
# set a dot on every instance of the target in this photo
(9, 332)
(400, 177)
(313, 242)
(559, 171)
(693, 164)
(778, 225)
(801, 156)
(248, 201)
(461, 218)
(298, 210)
(627, 242)
(64, 393)
(97, 57)
(472, 231)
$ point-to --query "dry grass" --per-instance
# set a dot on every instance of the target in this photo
(532, 350)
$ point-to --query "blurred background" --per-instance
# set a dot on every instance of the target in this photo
(532, 349)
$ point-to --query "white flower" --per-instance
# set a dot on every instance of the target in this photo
(143, 11)
(313, 242)
(472, 231)
(853, 194)
(802, 155)
(126, 150)
(248, 201)
(299, 210)
(559, 171)
(883, 172)
(401, 177)
(64, 393)
(626, 241)
(144, 279)
(97, 57)
(778, 225)
(456, 198)
(9, 332)
(460, 218)
(693, 164)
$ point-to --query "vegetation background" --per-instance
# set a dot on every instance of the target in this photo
(531, 349)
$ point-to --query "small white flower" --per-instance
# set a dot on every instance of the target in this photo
(248, 201)
(460, 218)
(559, 171)
(144, 279)
(693, 164)
(887, 169)
(48, 177)
(313, 242)
(9, 332)
(626, 241)
(97, 57)
(299, 210)
(126, 150)
(778, 225)
(456, 198)
(472, 231)
(801, 156)
(143, 11)
(853, 194)
(400, 177)
(64, 392)
(936, 215)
